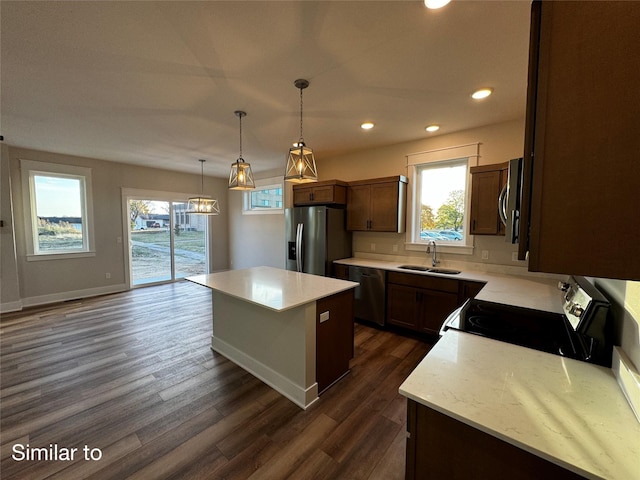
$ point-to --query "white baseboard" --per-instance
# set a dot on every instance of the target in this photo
(11, 306)
(72, 295)
(303, 397)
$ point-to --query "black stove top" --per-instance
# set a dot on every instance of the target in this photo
(582, 332)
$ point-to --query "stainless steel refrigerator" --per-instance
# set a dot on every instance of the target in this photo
(315, 237)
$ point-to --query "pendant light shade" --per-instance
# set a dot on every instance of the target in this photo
(301, 165)
(241, 177)
(203, 204)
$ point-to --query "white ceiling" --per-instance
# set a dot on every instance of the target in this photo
(156, 83)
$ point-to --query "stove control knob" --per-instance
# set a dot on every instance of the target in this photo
(564, 286)
(576, 310)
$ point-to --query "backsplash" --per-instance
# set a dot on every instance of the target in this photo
(496, 250)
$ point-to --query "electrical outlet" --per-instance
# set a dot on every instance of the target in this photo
(373, 247)
(485, 254)
(514, 256)
(324, 316)
(107, 275)
(395, 248)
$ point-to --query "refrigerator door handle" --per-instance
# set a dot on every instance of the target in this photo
(299, 252)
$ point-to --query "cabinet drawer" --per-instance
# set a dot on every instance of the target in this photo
(423, 281)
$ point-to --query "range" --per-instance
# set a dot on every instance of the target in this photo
(582, 332)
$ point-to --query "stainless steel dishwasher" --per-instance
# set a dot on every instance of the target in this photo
(369, 301)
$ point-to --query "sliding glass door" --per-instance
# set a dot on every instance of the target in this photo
(166, 243)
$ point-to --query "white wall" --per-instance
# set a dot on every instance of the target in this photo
(255, 240)
(55, 280)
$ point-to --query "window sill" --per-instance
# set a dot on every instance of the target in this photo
(441, 248)
(58, 256)
(266, 211)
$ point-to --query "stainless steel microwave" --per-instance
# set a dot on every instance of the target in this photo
(509, 201)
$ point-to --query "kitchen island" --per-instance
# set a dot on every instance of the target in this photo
(293, 331)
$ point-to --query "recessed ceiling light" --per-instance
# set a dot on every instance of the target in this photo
(482, 93)
(432, 128)
(434, 4)
(367, 125)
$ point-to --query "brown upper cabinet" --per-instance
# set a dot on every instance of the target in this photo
(377, 205)
(488, 183)
(329, 192)
(581, 172)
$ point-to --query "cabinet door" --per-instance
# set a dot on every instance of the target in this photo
(323, 194)
(384, 207)
(358, 207)
(435, 307)
(302, 196)
(584, 190)
(485, 189)
(402, 305)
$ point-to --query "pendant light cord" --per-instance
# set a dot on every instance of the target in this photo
(201, 178)
(301, 139)
(240, 117)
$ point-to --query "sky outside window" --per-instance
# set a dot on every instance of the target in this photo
(57, 196)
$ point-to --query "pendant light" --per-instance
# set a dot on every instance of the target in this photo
(301, 165)
(241, 177)
(204, 204)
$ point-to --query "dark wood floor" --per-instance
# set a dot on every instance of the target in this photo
(132, 375)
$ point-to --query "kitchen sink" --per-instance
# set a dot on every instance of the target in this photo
(446, 271)
(414, 267)
(420, 268)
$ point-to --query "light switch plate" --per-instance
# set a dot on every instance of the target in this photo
(324, 316)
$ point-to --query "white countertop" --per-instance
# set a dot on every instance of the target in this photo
(537, 293)
(273, 288)
(566, 411)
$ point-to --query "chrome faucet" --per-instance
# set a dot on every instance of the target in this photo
(434, 259)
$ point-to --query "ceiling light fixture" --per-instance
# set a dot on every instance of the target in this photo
(367, 125)
(432, 128)
(435, 4)
(204, 204)
(241, 177)
(482, 93)
(301, 165)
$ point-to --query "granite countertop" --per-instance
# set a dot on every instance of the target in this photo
(569, 412)
(527, 291)
(273, 288)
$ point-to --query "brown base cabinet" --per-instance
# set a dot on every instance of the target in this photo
(440, 447)
(419, 302)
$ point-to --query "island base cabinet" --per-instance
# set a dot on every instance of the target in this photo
(440, 447)
(334, 338)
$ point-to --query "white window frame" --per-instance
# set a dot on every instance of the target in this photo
(415, 161)
(264, 184)
(31, 168)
